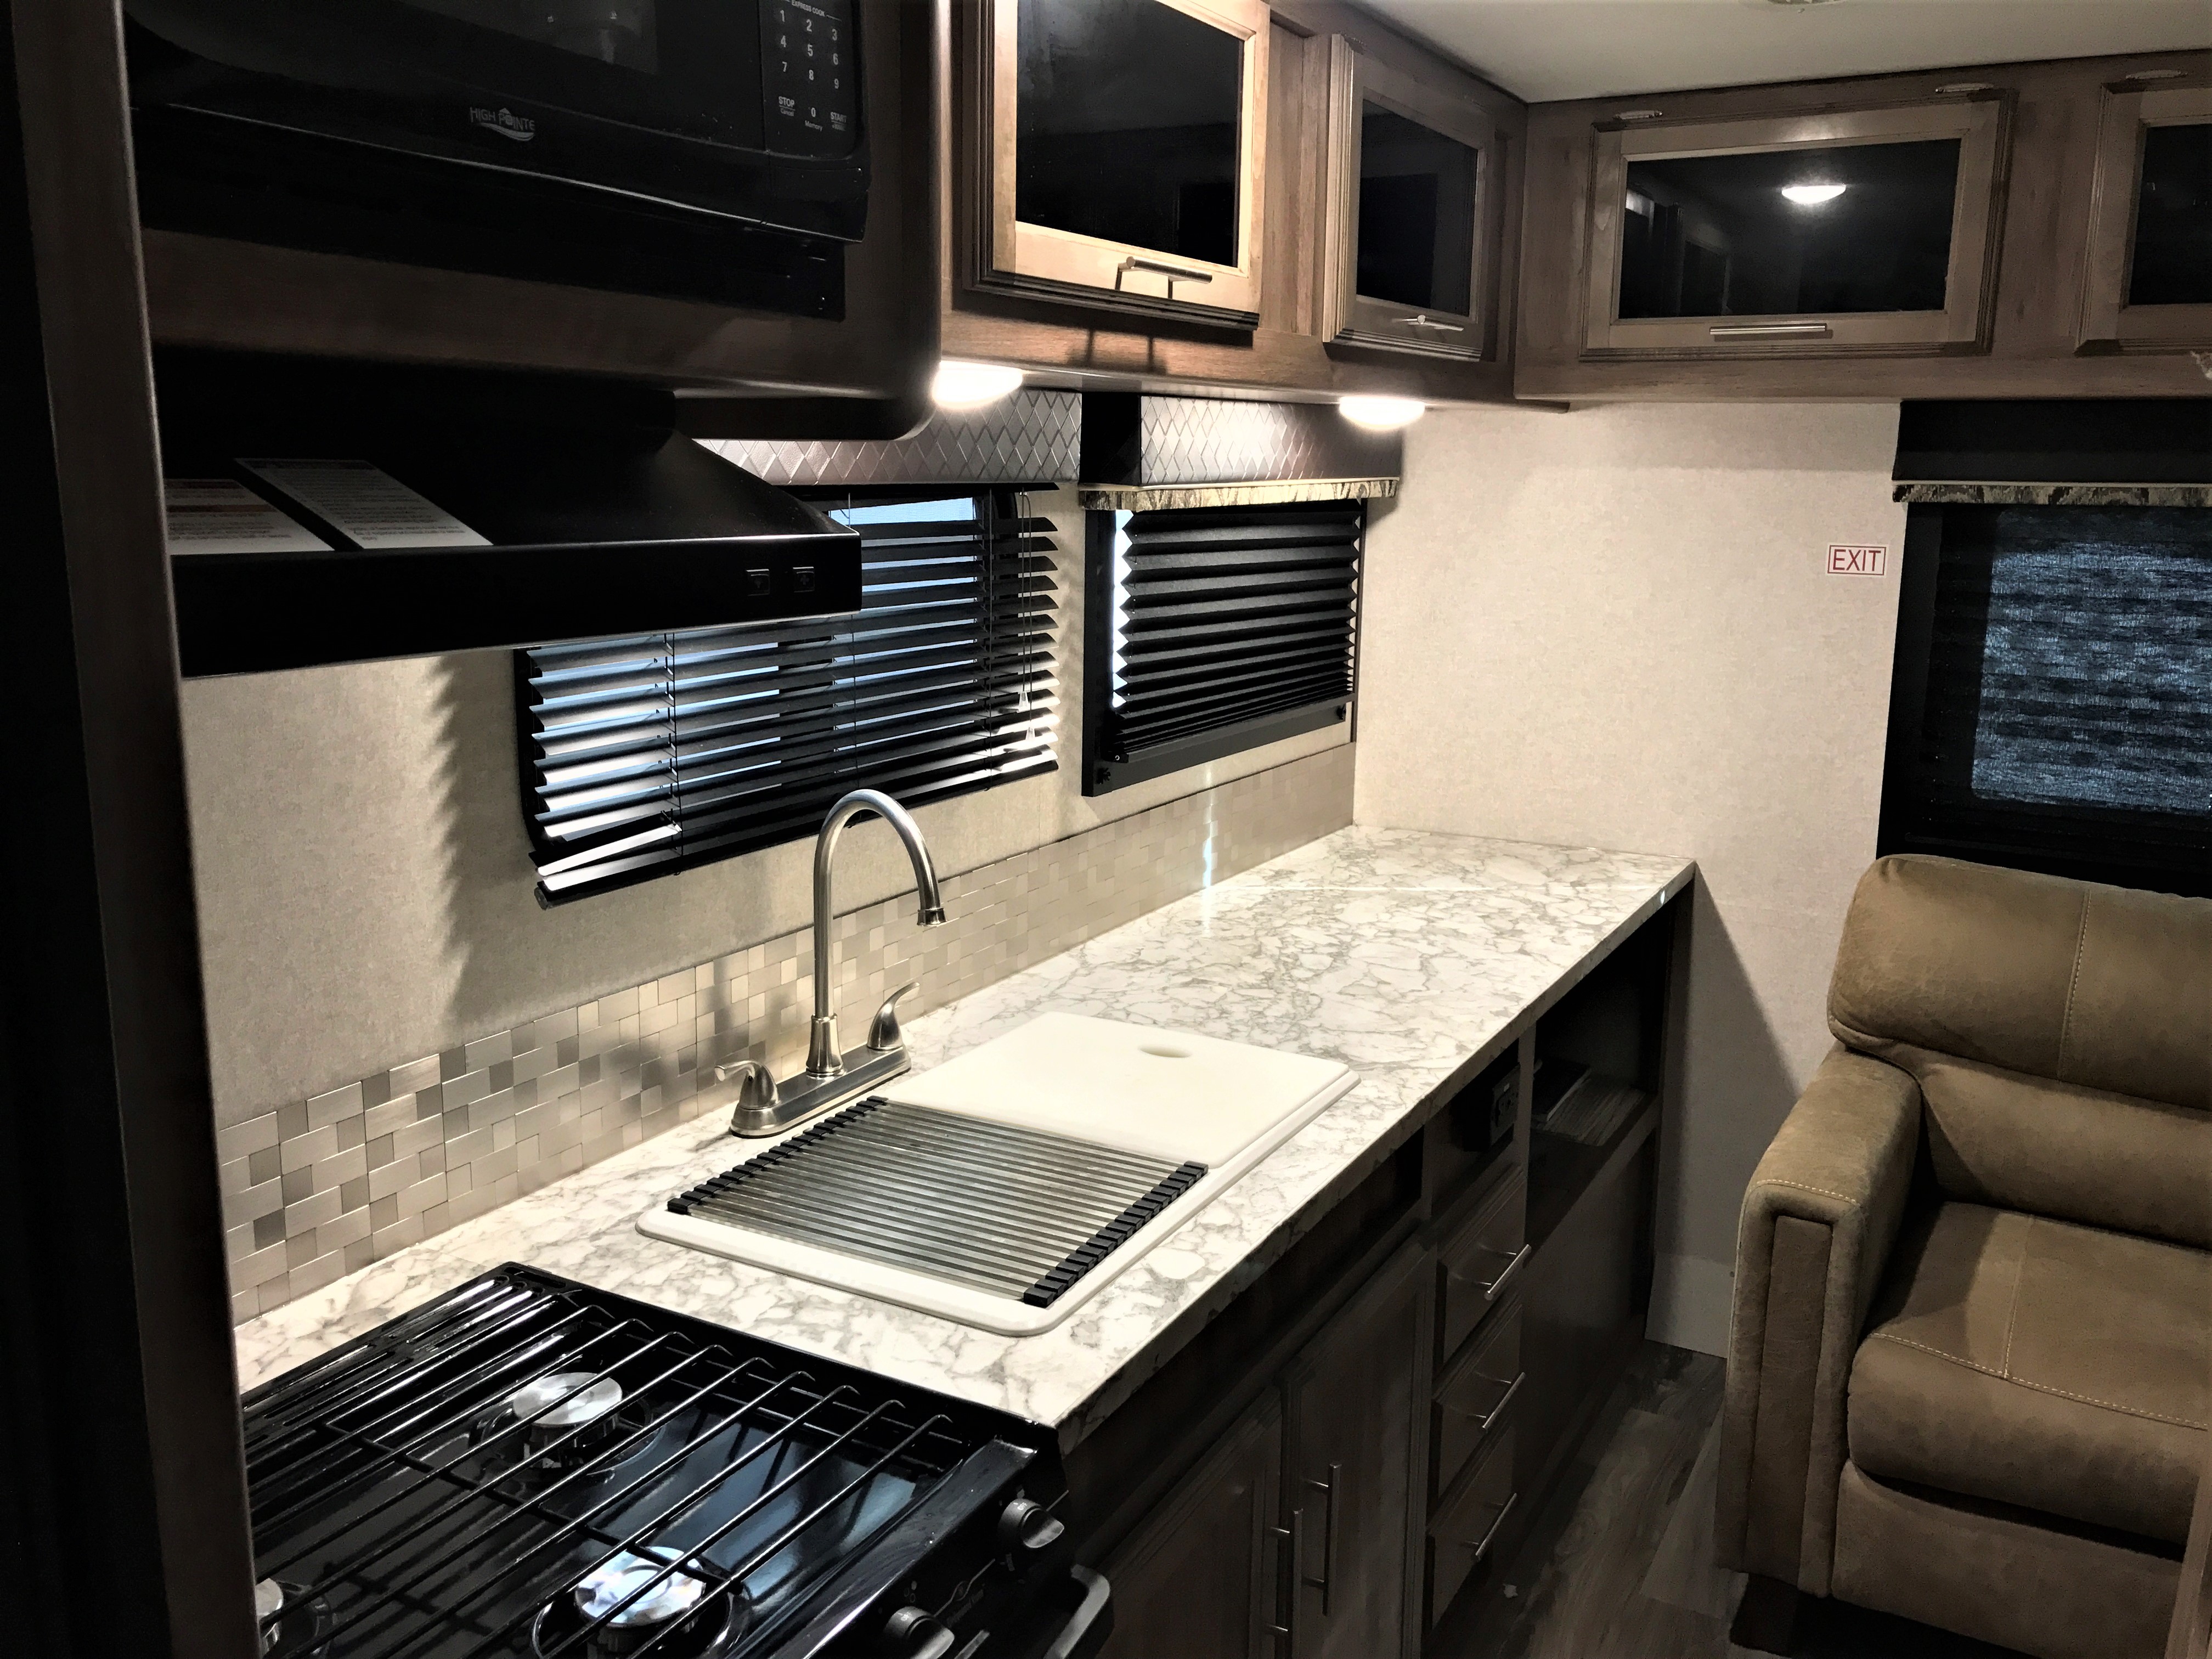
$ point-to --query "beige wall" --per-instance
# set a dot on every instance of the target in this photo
(365, 886)
(1614, 628)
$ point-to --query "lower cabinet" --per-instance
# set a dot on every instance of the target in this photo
(1197, 1577)
(1352, 1405)
(1295, 1535)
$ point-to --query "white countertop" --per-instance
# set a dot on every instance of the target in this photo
(1399, 952)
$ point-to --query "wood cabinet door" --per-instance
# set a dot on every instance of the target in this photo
(1355, 1416)
(1850, 230)
(2147, 280)
(1197, 1576)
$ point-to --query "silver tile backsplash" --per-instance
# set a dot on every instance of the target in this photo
(323, 1186)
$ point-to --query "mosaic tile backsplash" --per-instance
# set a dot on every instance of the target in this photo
(324, 1186)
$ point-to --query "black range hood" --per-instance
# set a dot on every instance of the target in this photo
(323, 514)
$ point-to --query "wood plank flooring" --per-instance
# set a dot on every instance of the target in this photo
(1619, 1565)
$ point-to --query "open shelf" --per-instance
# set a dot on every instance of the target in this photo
(1562, 1167)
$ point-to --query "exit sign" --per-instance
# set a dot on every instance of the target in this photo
(1858, 561)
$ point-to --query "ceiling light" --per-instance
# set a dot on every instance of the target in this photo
(970, 385)
(1380, 414)
(1812, 194)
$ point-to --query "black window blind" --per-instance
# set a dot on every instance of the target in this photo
(1209, 630)
(648, 755)
(2052, 708)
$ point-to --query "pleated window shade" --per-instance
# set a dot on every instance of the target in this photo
(1211, 630)
(2052, 702)
(648, 755)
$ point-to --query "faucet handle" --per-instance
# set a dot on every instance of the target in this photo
(884, 1034)
(756, 1089)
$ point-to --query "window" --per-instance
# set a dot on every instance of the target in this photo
(2052, 708)
(1209, 630)
(645, 756)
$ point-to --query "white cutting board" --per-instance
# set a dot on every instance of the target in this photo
(1173, 1095)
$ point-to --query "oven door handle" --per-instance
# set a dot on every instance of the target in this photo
(1096, 1592)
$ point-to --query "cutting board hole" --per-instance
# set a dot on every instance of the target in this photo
(1165, 1051)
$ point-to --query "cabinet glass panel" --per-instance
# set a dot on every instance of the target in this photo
(2172, 257)
(1417, 200)
(1860, 228)
(1126, 125)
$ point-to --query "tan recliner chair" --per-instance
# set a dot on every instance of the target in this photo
(1970, 1363)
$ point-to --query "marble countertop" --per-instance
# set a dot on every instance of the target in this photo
(1401, 953)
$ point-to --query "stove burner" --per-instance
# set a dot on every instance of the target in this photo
(567, 1422)
(577, 1404)
(293, 1624)
(674, 1615)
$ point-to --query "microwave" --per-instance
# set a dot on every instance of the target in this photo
(710, 149)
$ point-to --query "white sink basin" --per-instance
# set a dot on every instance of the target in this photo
(1171, 1096)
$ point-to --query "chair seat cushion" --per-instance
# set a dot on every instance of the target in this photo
(2035, 1362)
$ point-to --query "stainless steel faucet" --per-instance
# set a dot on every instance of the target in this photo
(823, 1057)
(834, 1075)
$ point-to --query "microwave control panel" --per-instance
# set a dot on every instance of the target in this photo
(810, 80)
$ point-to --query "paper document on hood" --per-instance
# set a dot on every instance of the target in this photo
(364, 504)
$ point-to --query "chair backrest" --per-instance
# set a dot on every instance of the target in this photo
(2061, 1032)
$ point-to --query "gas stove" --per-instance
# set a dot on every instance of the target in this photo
(531, 1467)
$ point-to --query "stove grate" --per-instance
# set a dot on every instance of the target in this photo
(437, 1487)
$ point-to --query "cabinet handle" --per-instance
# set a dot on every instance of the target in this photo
(1483, 1420)
(1328, 1490)
(1292, 1537)
(1424, 320)
(1482, 1424)
(1490, 1291)
(1490, 1537)
(1769, 330)
(1167, 268)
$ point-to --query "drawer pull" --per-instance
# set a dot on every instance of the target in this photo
(1291, 1539)
(1490, 1537)
(1769, 330)
(1490, 1291)
(1328, 1489)
(1484, 1421)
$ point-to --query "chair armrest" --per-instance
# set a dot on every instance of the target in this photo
(1820, 1217)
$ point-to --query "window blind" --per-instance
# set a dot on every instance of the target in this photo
(2052, 700)
(643, 755)
(1209, 630)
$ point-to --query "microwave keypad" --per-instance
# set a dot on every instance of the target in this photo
(809, 82)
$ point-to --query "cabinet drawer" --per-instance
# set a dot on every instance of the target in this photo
(1481, 1261)
(1470, 1402)
(1468, 1527)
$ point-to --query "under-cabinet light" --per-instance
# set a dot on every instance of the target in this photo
(970, 385)
(1812, 194)
(1380, 414)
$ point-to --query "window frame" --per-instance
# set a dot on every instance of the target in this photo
(1907, 823)
(1010, 531)
(1106, 766)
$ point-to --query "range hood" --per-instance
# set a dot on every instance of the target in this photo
(320, 515)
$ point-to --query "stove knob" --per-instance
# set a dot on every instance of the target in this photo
(1028, 1525)
(913, 1634)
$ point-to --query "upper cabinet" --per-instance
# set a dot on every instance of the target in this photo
(2148, 271)
(1201, 195)
(1413, 203)
(1129, 154)
(2009, 230)
(1845, 231)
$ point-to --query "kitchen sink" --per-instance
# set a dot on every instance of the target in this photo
(1007, 1188)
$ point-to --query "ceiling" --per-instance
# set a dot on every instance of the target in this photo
(1539, 50)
